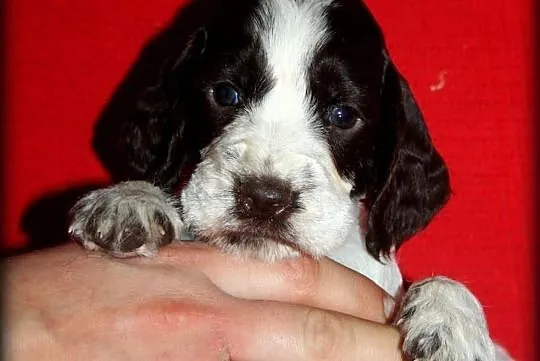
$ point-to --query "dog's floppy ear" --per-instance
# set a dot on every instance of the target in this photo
(161, 141)
(414, 182)
(143, 132)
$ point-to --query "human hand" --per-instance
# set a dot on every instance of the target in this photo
(191, 302)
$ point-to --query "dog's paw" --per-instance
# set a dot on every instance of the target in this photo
(127, 219)
(442, 321)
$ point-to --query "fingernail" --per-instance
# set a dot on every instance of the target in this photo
(389, 307)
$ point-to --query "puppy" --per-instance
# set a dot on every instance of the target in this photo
(296, 134)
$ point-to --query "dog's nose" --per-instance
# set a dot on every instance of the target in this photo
(264, 198)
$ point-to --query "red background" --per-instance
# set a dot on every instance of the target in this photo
(65, 58)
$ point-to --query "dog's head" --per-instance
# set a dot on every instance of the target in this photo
(293, 115)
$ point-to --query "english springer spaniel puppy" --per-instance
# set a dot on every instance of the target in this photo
(296, 134)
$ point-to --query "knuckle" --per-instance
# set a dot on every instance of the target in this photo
(322, 331)
(302, 274)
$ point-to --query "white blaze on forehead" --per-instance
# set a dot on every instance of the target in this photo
(291, 32)
(277, 136)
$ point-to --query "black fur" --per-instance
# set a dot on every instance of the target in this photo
(414, 184)
(388, 154)
(160, 118)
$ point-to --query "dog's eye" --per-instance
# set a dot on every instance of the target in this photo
(225, 94)
(343, 116)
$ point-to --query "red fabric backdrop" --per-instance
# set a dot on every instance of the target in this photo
(467, 60)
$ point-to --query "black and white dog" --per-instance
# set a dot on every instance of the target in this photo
(298, 135)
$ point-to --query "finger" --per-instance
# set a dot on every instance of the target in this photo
(281, 332)
(301, 280)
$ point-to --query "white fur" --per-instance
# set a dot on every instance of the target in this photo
(442, 308)
(107, 210)
(278, 137)
(354, 255)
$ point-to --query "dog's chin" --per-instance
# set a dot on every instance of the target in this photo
(252, 244)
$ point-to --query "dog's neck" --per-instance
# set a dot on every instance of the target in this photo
(354, 255)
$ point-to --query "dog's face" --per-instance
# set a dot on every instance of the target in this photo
(294, 116)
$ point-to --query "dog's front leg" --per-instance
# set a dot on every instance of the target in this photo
(441, 320)
(127, 219)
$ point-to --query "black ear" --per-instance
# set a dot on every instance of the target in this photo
(414, 181)
(143, 132)
(161, 141)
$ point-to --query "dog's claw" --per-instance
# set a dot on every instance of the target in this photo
(442, 321)
(125, 220)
